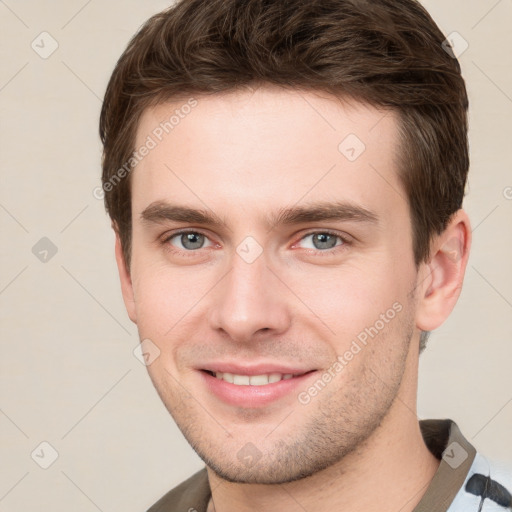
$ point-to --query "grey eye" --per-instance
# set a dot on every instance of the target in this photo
(321, 241)
(189, 241)
(324, 241)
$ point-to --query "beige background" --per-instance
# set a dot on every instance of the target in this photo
(68, 373)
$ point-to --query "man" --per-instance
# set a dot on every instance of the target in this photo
(285, 180)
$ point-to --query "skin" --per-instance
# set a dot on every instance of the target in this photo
(244, 156)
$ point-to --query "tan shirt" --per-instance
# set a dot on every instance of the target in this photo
(464, 482)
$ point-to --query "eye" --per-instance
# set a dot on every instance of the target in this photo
(322, 240)
(188, 240)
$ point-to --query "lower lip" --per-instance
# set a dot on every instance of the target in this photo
(254, 396)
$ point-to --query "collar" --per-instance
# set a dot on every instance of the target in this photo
(446, 442)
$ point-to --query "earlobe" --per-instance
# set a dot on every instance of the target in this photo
(442, 277)
(126, 280)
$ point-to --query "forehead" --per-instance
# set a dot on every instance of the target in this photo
(257, 148)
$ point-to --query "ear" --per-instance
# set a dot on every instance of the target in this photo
(126, 280)
(441, 278)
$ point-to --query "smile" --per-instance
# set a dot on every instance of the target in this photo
(253, 380)
(259, 389)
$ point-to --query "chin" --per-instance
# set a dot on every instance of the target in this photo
(285, 464)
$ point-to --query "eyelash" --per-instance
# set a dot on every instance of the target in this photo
(316, 252)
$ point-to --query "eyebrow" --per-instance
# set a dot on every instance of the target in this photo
(161, 211)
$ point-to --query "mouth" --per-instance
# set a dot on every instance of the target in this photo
(255, 387)
(253, 380)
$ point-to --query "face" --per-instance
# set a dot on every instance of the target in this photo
(272, 268)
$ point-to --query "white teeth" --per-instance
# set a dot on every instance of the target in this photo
(274, 377)
(241, 380)
(258, 380)
(253, 380)
(228, 377)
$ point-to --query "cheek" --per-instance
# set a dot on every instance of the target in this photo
(168, 299)
(350, 299)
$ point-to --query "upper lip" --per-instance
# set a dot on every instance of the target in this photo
(253, 369)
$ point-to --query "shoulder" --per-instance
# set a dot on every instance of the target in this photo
(500, 476)
(192, 495)
(487, 488)
(496, 472)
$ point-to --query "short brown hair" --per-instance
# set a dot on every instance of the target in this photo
(387, 53)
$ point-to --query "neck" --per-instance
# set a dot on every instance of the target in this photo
(390, 471)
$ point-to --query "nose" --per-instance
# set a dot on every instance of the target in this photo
(250, 300)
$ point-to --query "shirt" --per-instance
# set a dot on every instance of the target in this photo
(464, 482)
